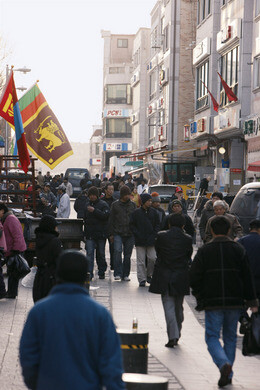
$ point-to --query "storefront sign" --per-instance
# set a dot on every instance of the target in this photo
(117, 113)
(226, 120)
(236, 170)
(201, 51)
(228, 34)
(107, 147)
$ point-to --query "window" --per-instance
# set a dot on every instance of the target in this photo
(257, 72)
(161, 118)
(136, 57)
(97, 149)
(166, 38)
(118, 94)
(257, 7)
(115, 69)
(152, 85)
(204, 8)
(178, 173)
(122, 43)
(201, 90)
(229, 64)
(152, 128)
(118, 127)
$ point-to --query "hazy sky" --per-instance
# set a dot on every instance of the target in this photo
(60, 41)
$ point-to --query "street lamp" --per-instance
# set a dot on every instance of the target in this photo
(22, 70)
(222, 150)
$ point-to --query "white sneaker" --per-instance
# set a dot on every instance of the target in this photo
(117, 278)
(127, 279)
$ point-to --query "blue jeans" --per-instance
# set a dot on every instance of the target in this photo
(227, 320)
(125, 245)
(99, 246)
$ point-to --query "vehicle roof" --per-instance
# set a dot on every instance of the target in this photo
(163, 185)
(255, 184)
(76, 169)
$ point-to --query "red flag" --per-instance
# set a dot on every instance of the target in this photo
(230, 94)
(215, 103)
(10, 111)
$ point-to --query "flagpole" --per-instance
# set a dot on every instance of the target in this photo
(6, 123)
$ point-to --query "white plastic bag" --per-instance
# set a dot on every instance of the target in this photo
(28, 280)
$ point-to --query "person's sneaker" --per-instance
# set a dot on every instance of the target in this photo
(225, 371)
(170, 344)
(142, 284)
(149, 279)
(126, 279)
(117, 278)
(101, 276)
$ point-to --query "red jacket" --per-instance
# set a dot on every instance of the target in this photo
(13, 233)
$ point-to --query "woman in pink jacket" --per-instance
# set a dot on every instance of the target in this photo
(15, 243)
(2, 252)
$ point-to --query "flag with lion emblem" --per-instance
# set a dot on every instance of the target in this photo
(44, 134)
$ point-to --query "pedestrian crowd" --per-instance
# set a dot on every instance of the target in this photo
(224, 277)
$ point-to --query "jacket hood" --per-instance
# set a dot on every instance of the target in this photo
(44, 237)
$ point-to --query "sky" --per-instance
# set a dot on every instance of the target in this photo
(60, 41)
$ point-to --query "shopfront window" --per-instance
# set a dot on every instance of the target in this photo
(118, 94)
(201, 90)
(118, 128)
(229, 71)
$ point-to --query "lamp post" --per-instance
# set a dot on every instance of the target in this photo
(22, 70)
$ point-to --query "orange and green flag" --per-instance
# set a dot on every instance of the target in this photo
(44, 134)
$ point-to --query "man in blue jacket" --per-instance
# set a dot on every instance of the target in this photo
(69, 341)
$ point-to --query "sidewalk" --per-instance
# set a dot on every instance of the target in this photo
(188, 366)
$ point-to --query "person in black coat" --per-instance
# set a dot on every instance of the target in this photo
(145, 224)
(179, 196)
(170, 276)
(177, 209)
(96, 216)
(48, 249)
(222, 283)
(80, 203)
(251, 243)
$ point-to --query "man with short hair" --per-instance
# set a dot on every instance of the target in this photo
(69, 341)
(120, 233)
(177, 209)
(220, 207)
(156, 202)
(109, 199)
(141, 188)
(96, 216)
(48, 199)
(145, 224)
(96, 182)
(221, 281)
(68, 186)
(208, 212)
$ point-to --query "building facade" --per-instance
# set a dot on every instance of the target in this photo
(95, 151)
(117, 97)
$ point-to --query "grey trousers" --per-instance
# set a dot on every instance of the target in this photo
(141, 253)
(173, 310)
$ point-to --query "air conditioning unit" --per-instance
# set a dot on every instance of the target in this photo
(135, 118)
(135, 79)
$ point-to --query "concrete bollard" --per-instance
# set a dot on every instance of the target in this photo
(134, 350)
(145, 382)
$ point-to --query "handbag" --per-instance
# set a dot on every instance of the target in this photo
(251, 340)
(17, 266)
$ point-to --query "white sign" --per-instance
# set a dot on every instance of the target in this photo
(117, 113)
(113, 146)
(201, 51)
(237, 182)
(226, 120)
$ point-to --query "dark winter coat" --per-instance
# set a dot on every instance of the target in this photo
(236, 230)
(188, 227)
(96, 223)
(251, 243)
(204, 185)
(80, 204)
(174, 250)
(206, 214)
(220, 276)
(161, 214)
(119, 219)
(48, 249)
(144, 224)
(109, 201)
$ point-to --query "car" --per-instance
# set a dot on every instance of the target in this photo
(75, 175)
(165, 192)
(246, 205)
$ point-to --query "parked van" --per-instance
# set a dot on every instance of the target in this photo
(75, 175)
(246, 205)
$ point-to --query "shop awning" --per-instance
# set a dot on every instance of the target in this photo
(135, 164)
(254, 166)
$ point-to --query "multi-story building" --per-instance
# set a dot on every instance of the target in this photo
(95, 151)
(170, 96)
(252, 124)
(117, 99)
(224, 46)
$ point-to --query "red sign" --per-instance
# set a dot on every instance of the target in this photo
(236, 170)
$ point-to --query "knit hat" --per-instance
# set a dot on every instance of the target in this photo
(48, 223)
(155, 197)
(124, 190)
(176, 201)
(72, 267)
(93, 191)
(145, 197)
